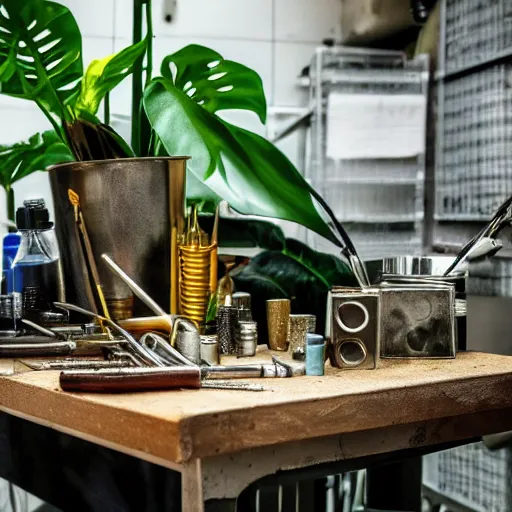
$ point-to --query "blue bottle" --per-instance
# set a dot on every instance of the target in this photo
(11, 244)
(36, 266)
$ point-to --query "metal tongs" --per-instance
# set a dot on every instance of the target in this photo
(484, 243)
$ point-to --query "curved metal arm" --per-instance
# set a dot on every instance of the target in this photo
(146, 355)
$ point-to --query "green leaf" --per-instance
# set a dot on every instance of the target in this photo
(40, 53)
(246, 170)
(24, 158)
(103, 75)
(295, 272)
(199, 193)
(245, 233)
(215, 83)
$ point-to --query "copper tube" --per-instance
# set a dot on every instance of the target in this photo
(131, 379)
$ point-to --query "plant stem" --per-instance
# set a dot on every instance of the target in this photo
(11, 213)
(106, 108)
(149, 42)
(54, 123)
(344, 240)
(137, 77)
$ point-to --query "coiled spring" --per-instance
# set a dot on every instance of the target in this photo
(195, 263)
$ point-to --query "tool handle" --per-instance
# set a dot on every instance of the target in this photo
(61, 348)
(150, 323)
(130, 379)
(248, 371)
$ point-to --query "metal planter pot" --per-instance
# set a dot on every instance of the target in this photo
(134, 210)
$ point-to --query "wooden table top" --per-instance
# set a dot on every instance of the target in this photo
(177, 426)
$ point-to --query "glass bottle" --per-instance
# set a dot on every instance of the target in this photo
(36, 266)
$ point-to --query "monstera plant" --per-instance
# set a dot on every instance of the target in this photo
(173, 113)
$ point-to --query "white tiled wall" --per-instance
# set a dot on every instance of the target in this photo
(275, 37)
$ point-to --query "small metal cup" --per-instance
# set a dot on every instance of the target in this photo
(297, 333)
(278, 311)
(210, 349)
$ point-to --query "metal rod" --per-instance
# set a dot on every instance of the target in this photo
(134, 287)
(249, 371)
(74, 364)
(39, 328)
(37, 349)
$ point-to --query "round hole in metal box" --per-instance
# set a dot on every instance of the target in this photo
(353, 316)
(352, 352)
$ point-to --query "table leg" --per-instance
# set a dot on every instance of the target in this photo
(395, 486)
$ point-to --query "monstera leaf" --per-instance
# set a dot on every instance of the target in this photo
(244, 169)
(215, 83)
(21, 159)
(103, 75)
(24, 158)
(40, 53)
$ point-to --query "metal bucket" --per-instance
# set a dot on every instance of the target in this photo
(134, 210)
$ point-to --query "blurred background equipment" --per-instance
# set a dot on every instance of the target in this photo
(367, 148)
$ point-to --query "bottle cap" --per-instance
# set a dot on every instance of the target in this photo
(33, 215)
(314, 339)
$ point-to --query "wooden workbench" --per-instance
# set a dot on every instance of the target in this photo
(296, 422)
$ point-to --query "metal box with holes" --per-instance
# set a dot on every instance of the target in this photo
(355, 328)
(392, 321)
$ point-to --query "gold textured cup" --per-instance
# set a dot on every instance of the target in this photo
(278, 312)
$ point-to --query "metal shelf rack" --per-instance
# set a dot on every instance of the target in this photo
(380, 201)
(474, 128)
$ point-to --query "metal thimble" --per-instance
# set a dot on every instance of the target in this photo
(210, 349)
(246, 338)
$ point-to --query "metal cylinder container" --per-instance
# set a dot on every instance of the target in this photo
(278, 311)
(242, 301)
(408, 269)
(134, 210)
(210, 349)
(188, 343)
(246, 338)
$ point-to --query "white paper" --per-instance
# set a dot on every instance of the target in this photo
(361, 126)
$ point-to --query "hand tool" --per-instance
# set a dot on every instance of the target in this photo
(143, 379)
